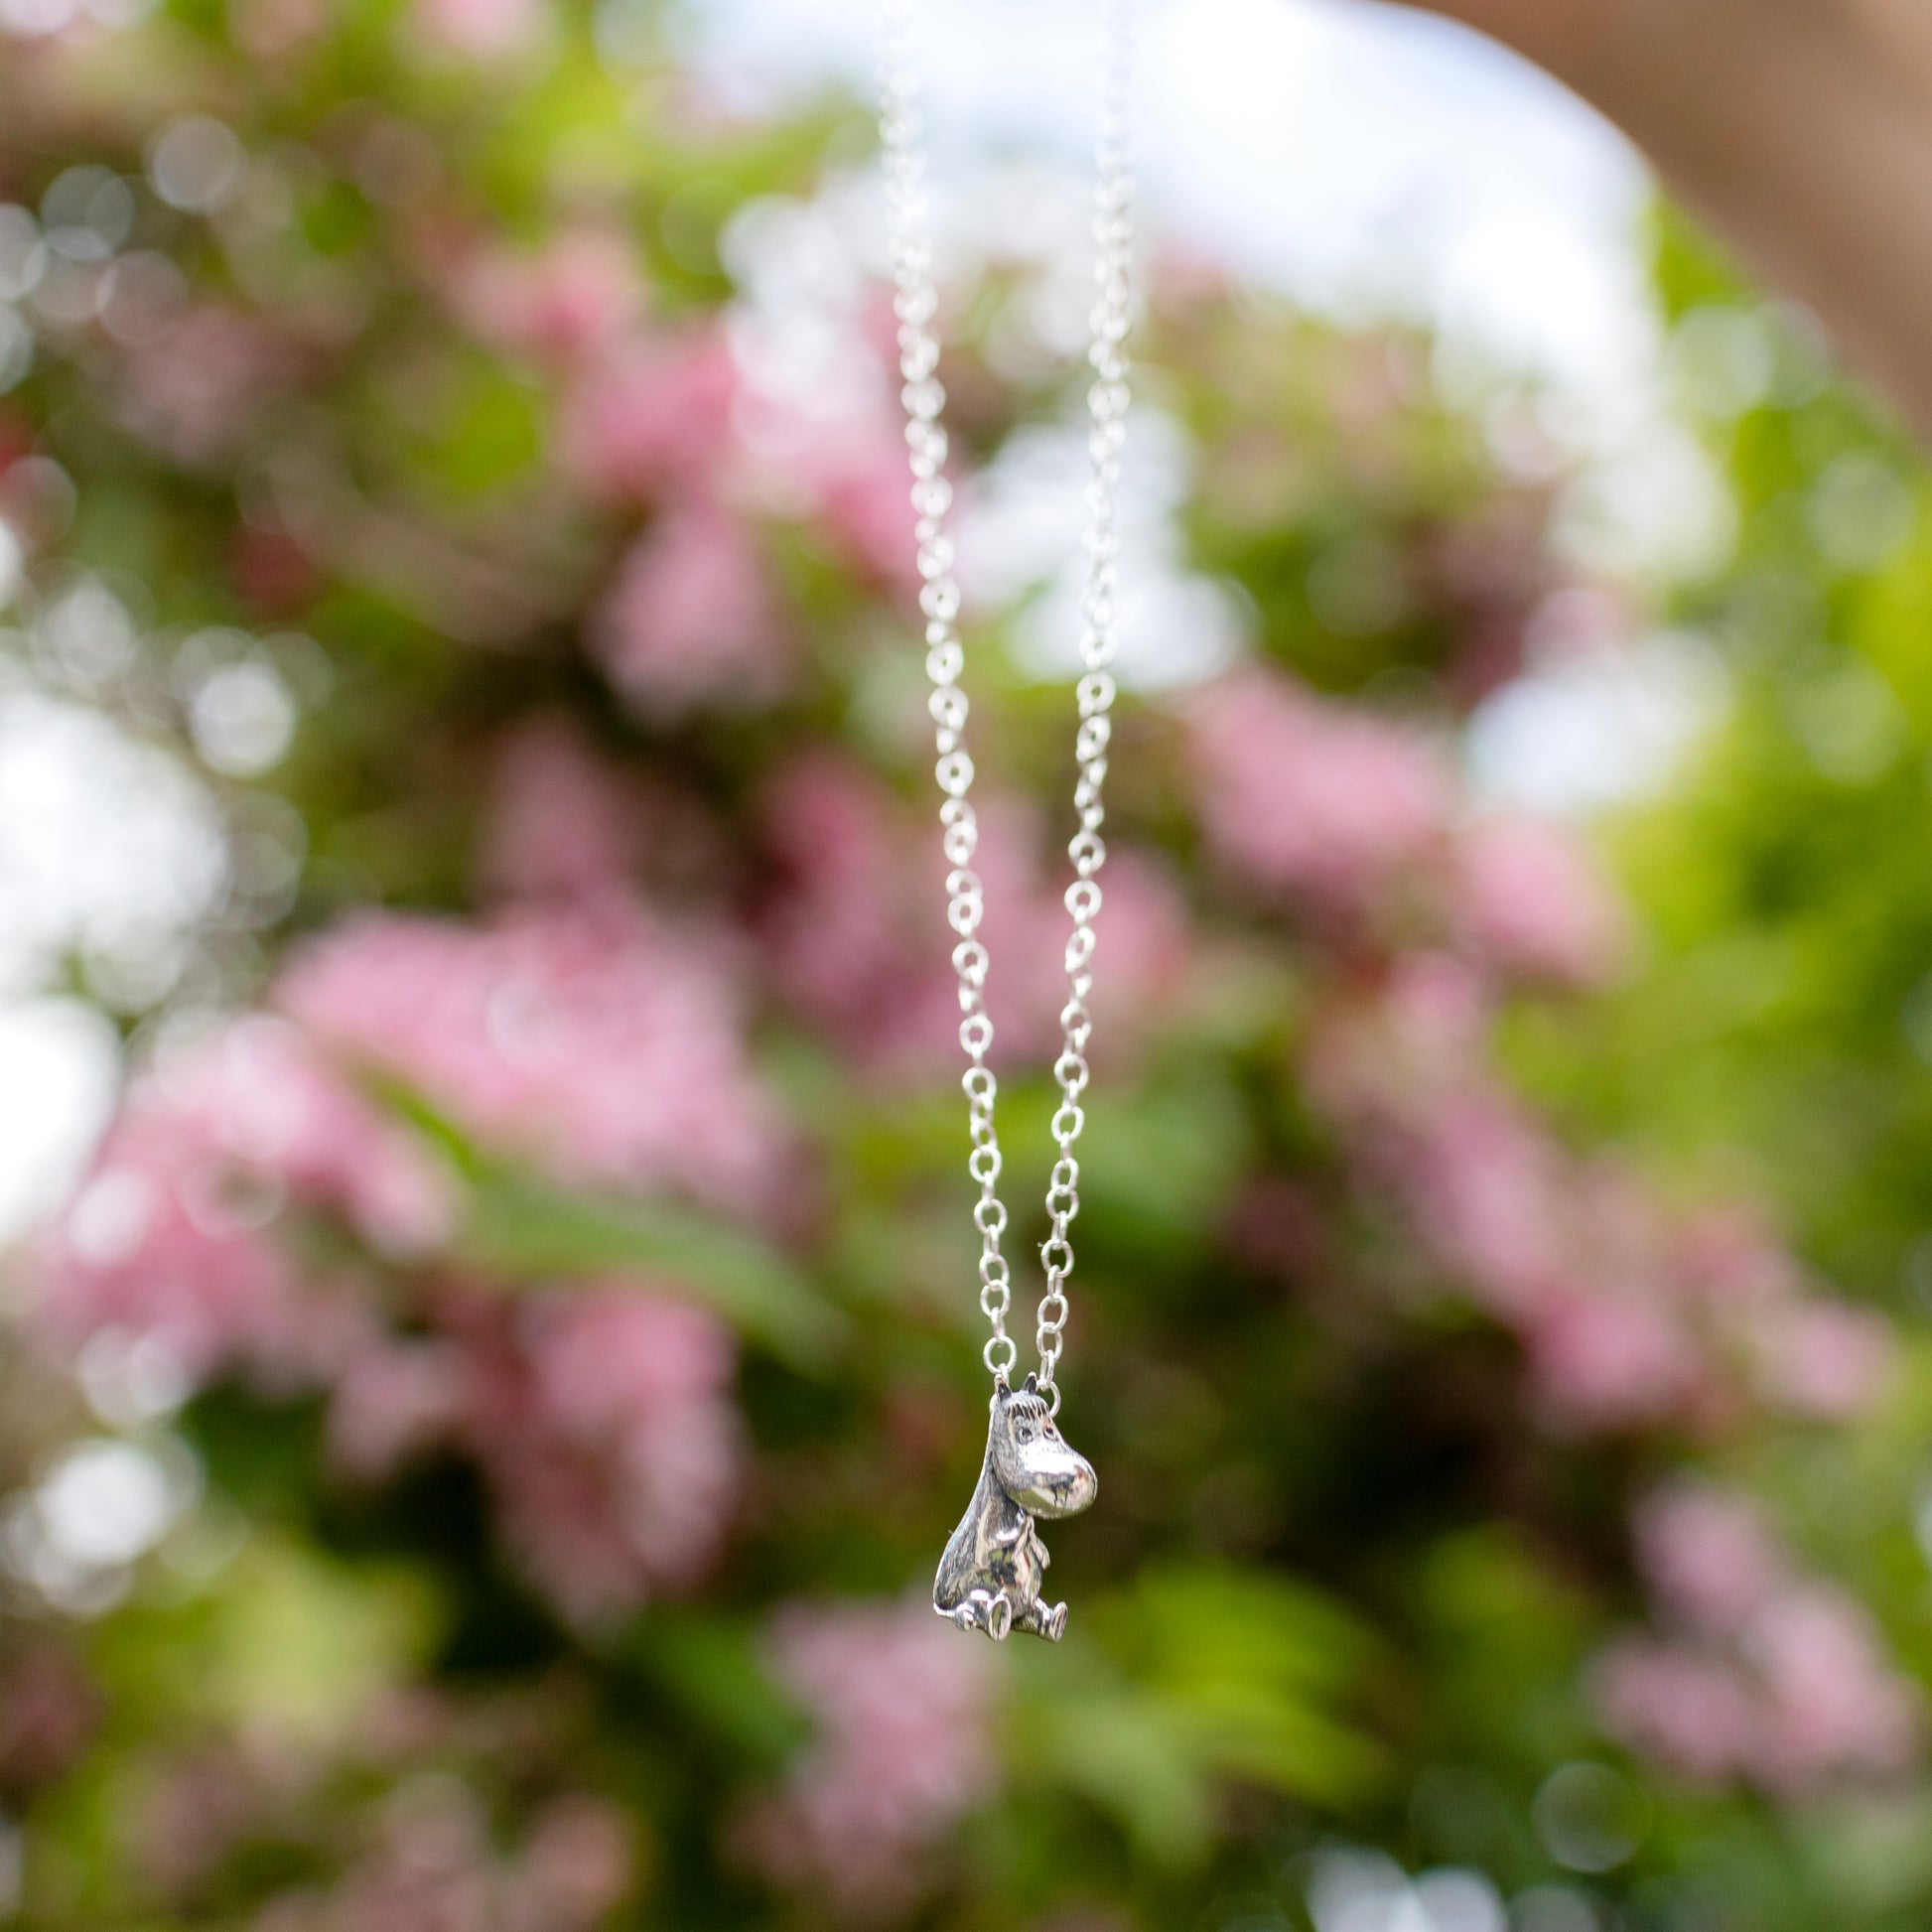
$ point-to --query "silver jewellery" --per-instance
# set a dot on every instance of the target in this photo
(989, 1576)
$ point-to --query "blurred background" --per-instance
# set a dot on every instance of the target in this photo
(489, 1352)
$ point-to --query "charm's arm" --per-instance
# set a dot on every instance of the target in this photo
(1800, 130)
(1011, 1534)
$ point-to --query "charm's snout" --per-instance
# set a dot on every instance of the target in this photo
(1058, 1481)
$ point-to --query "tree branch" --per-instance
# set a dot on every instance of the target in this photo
(1801, 131)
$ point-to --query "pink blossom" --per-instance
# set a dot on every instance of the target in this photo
(562, 823)
(857, 940)
(1805, 1701)
(597, 1357)
(1824, 1359)
(650, 418)
(1693, 1712)
(1780, 1681)
(1438, 1010)
(50, 1710)
(691, 623)
(578, 1864)
(860, 497)
(1401, 1075)
(1835, 1706)
(902, 1751)
(480, 30)
(1534, 906)
(259, 1096)
(1574, 1258)
(1604, 1360)
(601, 1044)
(834, 458)
(197, 391)
(1143, 953)
(1276, 1227)
(433, 1868)
(169, 1236)
(1310, 798)
(278, 30)
(611, 1443)
(1805, 1353)
(1629, 1315)
(431, 1871)
(600, 1414)
(1488, 1190)
(1732, 1262)
(1386, 1059)
(391, 1400)
(1708, 1555)
(577, 297)
(150, 1247)
(845, 933)
(202, 1802)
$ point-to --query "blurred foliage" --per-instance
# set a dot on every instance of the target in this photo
(1772, 1037)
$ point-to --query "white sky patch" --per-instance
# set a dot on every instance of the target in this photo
(1597, 731)
(1020, 527)
(805, 270)
(1371, 162)
(111, 852)
(1368, 160)
(243, 719)
(105, 1501)
(99, 1506)
(1360, 1891)
(107, 845)
(59, 1067)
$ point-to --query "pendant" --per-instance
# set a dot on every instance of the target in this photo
(989, 1576)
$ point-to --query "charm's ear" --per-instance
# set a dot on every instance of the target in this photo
(1031, 1383)
(1002, 1389)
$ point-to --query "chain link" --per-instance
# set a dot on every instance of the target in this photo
(916, 304)
(1107, 403)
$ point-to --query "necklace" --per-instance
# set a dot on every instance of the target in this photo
(994, 1563)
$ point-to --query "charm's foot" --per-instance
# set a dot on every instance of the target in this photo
(983, 1610)
(1045, 1622)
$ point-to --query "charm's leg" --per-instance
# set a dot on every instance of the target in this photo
(982, 1610)
(1044, 1620)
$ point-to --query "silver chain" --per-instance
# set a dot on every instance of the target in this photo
(916, 302)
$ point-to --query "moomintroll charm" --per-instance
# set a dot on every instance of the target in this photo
(989, 1576)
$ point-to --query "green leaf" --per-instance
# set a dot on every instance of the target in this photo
(1193, 1676)
(1123, 1750)
(443, 1133)
(522, 1229)
(526, 1231)
(294, 1644)
(712, 1670)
